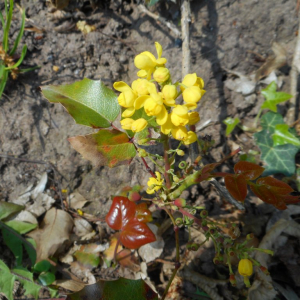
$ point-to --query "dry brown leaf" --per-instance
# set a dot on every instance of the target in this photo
(70, 284)
(55, 230)
(77, 201)
(273, 62)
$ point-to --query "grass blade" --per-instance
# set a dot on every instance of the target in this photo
(2, 20)
(3, 81)
(20, 34)
(8, 22)
(24, 50)
(29, 69)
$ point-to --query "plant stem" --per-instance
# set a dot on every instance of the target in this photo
(165, 141)
(177, 257)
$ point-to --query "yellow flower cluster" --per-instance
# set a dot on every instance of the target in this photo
(154, 184)
(157, 96)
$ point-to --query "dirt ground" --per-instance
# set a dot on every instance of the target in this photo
(225, 35)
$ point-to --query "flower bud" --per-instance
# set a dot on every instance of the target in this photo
(193, 118)
(161, 75)
(180, 152)
(250, 236)
(203, 214)
(191, 138)
(138, 125)
(179, 222)
(180, 202)
(192, 94)
(145, 61)
(180, 116)
(126, 123)
(245, 267)
(169, 92)
(191, 246)
(179, 133)
(232, 280)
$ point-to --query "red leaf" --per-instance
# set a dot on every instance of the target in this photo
(237, 186)
(273, 191)
(249, 170)
(121, 211)
(136, 234)
(143, 214)
(206, 172)
(126, 216)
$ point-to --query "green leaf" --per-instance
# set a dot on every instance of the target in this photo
(42, 266)
(3, 81)
(23, 54)
(272, 97)
(89, 102)
(20, 34)
(231, 124)
(279, 159)
(116, 290)
(7, 209)
(89, 260)
(6, 281)
(152, 2)
(105, 148)
(21, 227)
(46, 278)
(282, 136)
(26, 278)
(7, 25)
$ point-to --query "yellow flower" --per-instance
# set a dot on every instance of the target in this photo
(245, 267)
(191, 138)
(161, 74)
(192, 80)
(179, 133)
(126, 123)
(179, 115)
(192, 94)
(154, 184)
(169, 92)
(138, 125)
(147, 62)
(140, 86)
(167, 127)
(193, 118)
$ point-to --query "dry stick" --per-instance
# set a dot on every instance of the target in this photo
(160, 19)
(290, 116)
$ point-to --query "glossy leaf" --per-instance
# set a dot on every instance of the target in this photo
(275, 192)
(42, 266)
(231, 124)
(272, 97)
(105, 148)
(278, 159)
(249, 170)
(282, 136)
(122, 216)
(89, 102)
(236, 186)
(142, 213)
(119, 289)
(46, 278)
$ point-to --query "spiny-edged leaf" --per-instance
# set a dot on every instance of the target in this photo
(236, 186)
(31, 288)
(89, 102)
(282, 136)
(275, 192)
(249, 170)
(278, 159)
(230, 124)
(105, 148)
(116, 290)
(21, 227)
(122, 216)
(54, 232)
(272, 97)
(6, 281)
(7, 209)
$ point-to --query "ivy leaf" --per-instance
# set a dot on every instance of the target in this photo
(122, 216)
(89, 102)
(230, 124)
(105, 148)
(279, 159)
(274, 192)
(7, 209)
(282, 136)
(119, 289)
(272, 97)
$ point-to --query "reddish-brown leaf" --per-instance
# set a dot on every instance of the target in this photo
(124, 216)
(249, 170)
(237, 186)
(143, 214)
(121, 212)
(206, 172)
(274, 192)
